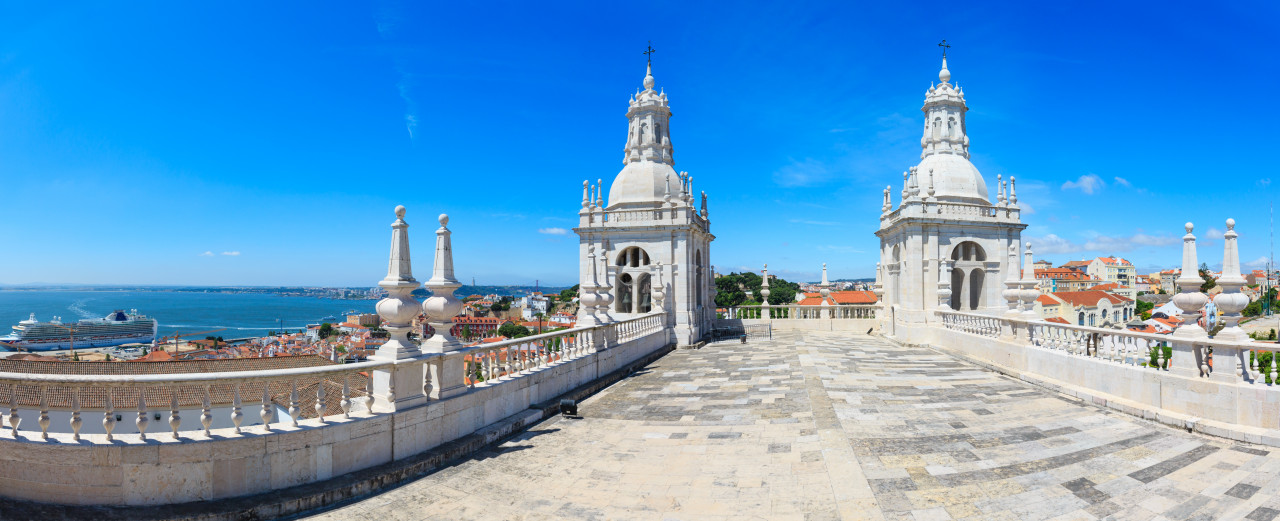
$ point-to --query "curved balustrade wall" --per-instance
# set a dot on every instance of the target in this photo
(1217, 387)
(327, 426)
(795, 317)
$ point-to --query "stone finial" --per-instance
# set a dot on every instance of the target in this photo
(1231, 301)
(1013, 281)
(1189, 298)
(825, 286)
(399, 308)
(588, 298)
(666, 197)
(1013, 194)
(605, 290)
(648, 77)
(930, 182)
(764, 285)
(399, 270)
(887, 204)
(689, 194)
(586, 197)
(906, 184)
(1029, 292)
(944, 75)
(1000, 189)
(442, 306)
(600, 193)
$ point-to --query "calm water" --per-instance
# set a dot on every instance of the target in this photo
(241, 314)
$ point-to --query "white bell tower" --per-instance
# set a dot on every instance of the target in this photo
(650, 244)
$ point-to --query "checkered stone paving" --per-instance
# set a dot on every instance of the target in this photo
(832, 425)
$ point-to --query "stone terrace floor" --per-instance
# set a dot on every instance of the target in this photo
(823, 425)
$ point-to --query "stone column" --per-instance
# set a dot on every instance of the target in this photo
(400, 387)
(826, 294)
(1028, 293)
(1231, 301)
(1012, 282)
(446, 376)
(1187, 357)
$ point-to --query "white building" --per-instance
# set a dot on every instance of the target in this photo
(533, 305)
(946, 244)
(650, 236)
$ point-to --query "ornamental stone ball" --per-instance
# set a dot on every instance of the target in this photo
(1189, 227)
(397, 311)
(400, 211)
(1231, 224)
(444, 219)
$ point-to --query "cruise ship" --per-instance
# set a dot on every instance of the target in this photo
(115, 329)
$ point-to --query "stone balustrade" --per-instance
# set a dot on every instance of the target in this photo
(857, 317)
(499, 380)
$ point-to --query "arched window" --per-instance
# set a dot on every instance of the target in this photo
(643, 128)
(968, 276)
(975, 288)
(1081, 318)
(644, 294)
(633, 257)
(957, 288)
(624, 293)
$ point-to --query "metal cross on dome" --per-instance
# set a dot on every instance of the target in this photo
(944, 48)
(649, 51)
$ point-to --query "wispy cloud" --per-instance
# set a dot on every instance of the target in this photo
(815, 223)
(1123, 182)
(802, 173)
(1053, 244)
(207, 254)
(1263, 183)
(411, 106)
(838, 248)
(1258, 263)
(1087, 183)
(1027, 209)
(553, 231)
(231, 253)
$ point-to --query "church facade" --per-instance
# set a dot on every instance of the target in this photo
(649, 247)
(946, 245)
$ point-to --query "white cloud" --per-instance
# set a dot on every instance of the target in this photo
(231, 253)
(1258, 263)
(1123, 182)
(1212, 234)
(1087, 183)
(207, 254)
(1264, 182)
(802, 173)
(1026, 208)
(1053, 244)
(553, 231)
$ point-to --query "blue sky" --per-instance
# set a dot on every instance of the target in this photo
(267, 143)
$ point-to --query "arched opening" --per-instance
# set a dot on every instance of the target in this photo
(633, 257)
(1081, 322)
(975, 288)
(624, 287)
(697, 278)
(969, 258)
(644, 293)
(957, 288)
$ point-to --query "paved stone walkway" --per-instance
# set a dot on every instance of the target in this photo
(823, 425)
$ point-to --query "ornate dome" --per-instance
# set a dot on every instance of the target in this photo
(954, 178)
(642, 183)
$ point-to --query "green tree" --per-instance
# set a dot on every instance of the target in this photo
(1209, 283)
(513, 330)
(466, 331)
(569, 294)
(326, 330)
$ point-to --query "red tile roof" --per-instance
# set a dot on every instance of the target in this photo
(1089, 298)
(1046, 300)
(1057, 320)
(840, 298)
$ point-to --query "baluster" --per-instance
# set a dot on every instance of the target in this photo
(1159, 357)
(1253, 365)
(391, 390)
(346, 396)
(368, 395)
(320, 408)
(1275, 368)
(237, 412)
(174, 420)
(44, 412)
(206, 411)
(109, 416)
(142, 422)
(294, 410)
(267, 410)
(14, 419)
(76, 422)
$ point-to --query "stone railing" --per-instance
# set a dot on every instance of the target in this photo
(496, 380)
(798, 312)
(645, 216)
(793, 316)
